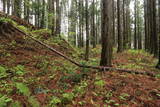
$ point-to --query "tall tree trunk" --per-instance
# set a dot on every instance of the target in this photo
(4, 5)
(87, 32)
(155, 37)
(8, 6)
(135, 25)
(120, 37)
(17, 8)
(58, 18)
(113, 15)
(93, 24)
(52, 11)
(124, 26)
(158, 64)
(43, 14)
(106, 54)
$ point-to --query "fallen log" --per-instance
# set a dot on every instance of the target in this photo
(102, 68)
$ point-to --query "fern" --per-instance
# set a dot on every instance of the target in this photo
(4, 100)
(3, 72)
(16, 104)
(33, 101)
(23, 89)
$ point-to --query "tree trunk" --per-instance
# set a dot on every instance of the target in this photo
(106, 54)
(58, 18)
(135, 25)
(120, 37)
(87, 32)
(4, 5)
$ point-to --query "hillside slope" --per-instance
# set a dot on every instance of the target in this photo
(33, 76)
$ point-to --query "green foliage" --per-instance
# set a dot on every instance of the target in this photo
(100, 83)
(16, 104)
(23, 89)
(80, 89)
(67, 97)
(23, 28)
(132, 66)
(3, 72)
(4, 100)
(136, 52)
(7, 20)
(19, 70)
(33, 101)
(41, 31)
(158, 76)
(124, 96)
(54, 101)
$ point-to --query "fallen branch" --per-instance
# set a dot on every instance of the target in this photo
(85, 66)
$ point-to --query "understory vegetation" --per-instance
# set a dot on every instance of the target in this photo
(31, 75)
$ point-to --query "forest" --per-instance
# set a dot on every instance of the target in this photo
(79, 53)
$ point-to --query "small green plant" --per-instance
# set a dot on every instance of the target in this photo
(124, 96)
(19, 70)
(55, 101)
(3, 72)
(4, 100)
(22, 28)
(80, 89)
(23, 89)
(99, 83)
(7, 20)
(67, 97)
(33, 101)
(16, 104)
(158, 76)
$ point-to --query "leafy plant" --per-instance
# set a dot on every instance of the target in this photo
(19, 70)
(100, 83)
(16, 104)
(54, 101)
(79, 90)
(33, 101)
(124, 96)
(22, 88)
(3, 72)
(4, 100)
(158, 76)
(67, 97)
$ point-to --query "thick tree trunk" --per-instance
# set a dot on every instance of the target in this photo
(106, 54)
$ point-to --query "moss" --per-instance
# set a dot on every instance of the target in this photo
(40, 31)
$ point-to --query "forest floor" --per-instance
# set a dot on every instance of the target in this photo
(33, 76)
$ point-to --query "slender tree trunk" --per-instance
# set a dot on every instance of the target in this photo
(93, 24)
(8, 6)
(87, 32)
(113, 11)
(124, 27)
(52, 10)
(135, 25)
(120, 37)
(43, 14)
(58, 18)
(4, 5)
(158, 65)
